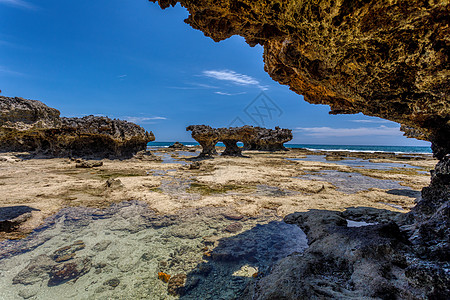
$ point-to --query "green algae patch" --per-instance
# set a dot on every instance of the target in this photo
(204, 189)
(105, 174)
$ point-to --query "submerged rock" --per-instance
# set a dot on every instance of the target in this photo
(74, 269)
(31, 126)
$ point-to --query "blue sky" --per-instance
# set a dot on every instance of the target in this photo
(131, 60)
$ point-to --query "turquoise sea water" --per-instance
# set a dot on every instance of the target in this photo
(351, 148)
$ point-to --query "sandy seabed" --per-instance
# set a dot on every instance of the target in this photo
(212, 211)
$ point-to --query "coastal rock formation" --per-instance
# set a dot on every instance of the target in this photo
(207, 137)
(31, 126)
(230, 137)
(388, 59)
(254, 138)
(269, 139)
(343, 262)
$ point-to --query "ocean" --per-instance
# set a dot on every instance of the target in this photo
(350, 148)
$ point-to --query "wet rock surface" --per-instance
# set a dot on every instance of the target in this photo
(373, 262)
(31, 126)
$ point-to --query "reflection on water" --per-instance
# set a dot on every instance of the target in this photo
(352, 182)
(116, 253)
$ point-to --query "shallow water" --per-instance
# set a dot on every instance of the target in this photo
(168, 159)
(118, 252)
(357, 163)
(352, 182)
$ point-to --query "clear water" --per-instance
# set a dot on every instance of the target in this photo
(357, 163)
(351, 183)
(126, 245)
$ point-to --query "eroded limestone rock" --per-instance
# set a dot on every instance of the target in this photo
(31, 126)
(269, 139)
(207, 137)
(254, 138)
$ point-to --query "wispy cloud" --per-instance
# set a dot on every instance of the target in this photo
(346, 132)
(122, 76)
(19, 4)
(194, 86)
(142, 120)
(371, 121)
(229, 94)
(234, 77)
(8, 71)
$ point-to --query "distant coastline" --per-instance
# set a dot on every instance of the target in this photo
(313, 147)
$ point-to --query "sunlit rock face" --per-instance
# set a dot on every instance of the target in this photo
(388, 59)
(31, 126)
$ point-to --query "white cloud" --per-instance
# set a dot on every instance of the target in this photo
(142, 120)
(19, 4)
(372, 121)
(194, 86)
(346, 132)
(233, 77)
(229, 94)
(122, 76)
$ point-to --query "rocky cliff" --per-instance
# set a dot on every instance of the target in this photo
(31, 126)
(388, 59)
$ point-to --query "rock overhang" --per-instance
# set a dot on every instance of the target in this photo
(388, 59)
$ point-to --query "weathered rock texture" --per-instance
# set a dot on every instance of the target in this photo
(388, 59)
(369, 262)
(207, 137)
(254, 138)
(269, 139)
(31, 126)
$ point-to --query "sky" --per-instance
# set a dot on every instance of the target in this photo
(131, 60)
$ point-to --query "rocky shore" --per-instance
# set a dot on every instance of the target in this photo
(226, 196)
(31, 126)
